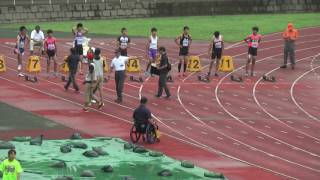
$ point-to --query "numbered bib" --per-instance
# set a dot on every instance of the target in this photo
(185, 42)
(194, 64)
(2, 64)
(133, 64)
(51, 47)
(254, 44)
(218, 44)
(106, 65)
(34, 64)
(226, 64)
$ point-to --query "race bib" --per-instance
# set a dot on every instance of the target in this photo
(21, 44)
(254, 44)
(79, 40)
(185, 42)
(218, 44)
(51, 47)
(123, 45)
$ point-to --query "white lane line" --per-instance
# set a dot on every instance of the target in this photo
(237, 118)
(251, 122)
(285, 132)
(294, 99)
(244, 132)
(260, 137)
(188, 127)
(155, 104)
(276, 142)
(228, 127)
(267, 127)
(203, 132)
(243, 108)
(174, 123)
(220, 138)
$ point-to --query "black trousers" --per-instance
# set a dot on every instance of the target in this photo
(119, 80)
(162, 84)
(72, 79)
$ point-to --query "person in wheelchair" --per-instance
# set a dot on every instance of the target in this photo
(142, 116)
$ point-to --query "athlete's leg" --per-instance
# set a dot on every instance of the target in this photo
(253, 63)
(247, 65)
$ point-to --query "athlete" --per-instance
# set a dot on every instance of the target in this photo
(51, 50)
(22, 40)
(79, 31)
(184, 43)
(253, 41)
(215, 50)
(152, 48)
(123, 42)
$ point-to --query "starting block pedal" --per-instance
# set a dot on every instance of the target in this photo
(169, 79)
(28, 78)
(269, 79)
(136, 79)
(204, 78)
(236, 79)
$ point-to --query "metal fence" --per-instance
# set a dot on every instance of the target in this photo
(28, 2)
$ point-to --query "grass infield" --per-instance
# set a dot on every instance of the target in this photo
(233, 27)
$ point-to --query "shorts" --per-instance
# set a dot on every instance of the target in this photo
(216, 53)
(51, 53)
(184, 51)
(21, 51)
(123, 52)
(79, 49)
(253, 51)
(153, 53)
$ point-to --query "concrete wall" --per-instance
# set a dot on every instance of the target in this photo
(41, 10)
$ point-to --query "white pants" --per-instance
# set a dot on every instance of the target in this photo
(36, 43)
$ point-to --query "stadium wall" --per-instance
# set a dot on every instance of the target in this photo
(57, 10)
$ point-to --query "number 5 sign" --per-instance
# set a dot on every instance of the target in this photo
(34, 64)
(2, 64)
(133, 64)
(194, 64)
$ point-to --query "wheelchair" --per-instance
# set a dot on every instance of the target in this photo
(147, 132)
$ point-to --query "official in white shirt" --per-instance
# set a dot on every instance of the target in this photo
(37, 39)
(119, 64)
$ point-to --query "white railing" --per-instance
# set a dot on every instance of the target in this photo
(25, 2)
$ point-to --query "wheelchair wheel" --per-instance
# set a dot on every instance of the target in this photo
(134, 135)
(151, 134)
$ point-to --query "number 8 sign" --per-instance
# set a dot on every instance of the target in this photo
(34, 64)
(2, 64)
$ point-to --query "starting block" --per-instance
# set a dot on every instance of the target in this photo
(169, 78)
(269, 79)
(136, 79)
(28, 78)
(236, 79)
(194, 64)
(204, 78)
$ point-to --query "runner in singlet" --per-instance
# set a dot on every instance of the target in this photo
(51, 50)
(152, 48)
(123, 42)
(22, 40)
(215, 50)
(79, 31)
(253, 41)
(184, 42)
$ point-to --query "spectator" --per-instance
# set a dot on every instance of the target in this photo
(37, 39)
(10, 167)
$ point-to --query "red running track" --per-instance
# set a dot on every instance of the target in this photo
(250, 130)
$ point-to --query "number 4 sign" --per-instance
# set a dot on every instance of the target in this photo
(133, 64)
(2, 64)
(34, 64)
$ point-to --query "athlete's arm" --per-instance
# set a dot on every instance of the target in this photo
(177, 41)
(222, 46)
(85, 30)
(147, 46)
(210, 47)
(56, 47)
(190, 41)
(18, 40)
(74, 30)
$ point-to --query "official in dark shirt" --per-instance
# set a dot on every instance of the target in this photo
(142, 115)
(163, 68)
(73, 61)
